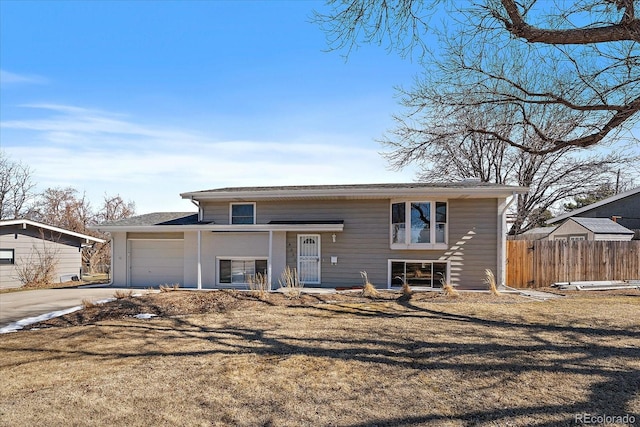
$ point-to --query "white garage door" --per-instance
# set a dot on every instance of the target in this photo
(156, 262)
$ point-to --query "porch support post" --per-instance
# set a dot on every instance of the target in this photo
(199, 259)
(269, 261)
(503, 207)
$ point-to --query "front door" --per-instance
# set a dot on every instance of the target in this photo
(309, 258)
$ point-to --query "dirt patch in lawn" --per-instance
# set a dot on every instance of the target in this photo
(231, 359)
(184, 302)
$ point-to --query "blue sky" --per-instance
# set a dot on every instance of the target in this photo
(148, 99)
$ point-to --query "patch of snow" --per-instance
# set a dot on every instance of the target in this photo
(20, 324)
(16, 326)
(144, 316)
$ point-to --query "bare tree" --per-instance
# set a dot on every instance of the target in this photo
(584, 54)
(113, 208)
(65, 208)
(16, 188)
(445, 149)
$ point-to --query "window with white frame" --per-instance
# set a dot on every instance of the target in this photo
(242, 213)
(7, 256)
(419, 225)
(239, 271)
(430, 274)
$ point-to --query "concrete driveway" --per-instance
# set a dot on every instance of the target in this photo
(16, 306)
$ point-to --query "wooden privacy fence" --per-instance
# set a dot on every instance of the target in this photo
(536, 264)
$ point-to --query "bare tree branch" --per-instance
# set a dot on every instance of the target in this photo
(582, 56)
(627, 29)
(16, 188)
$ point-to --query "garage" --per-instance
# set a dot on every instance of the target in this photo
(156, 262)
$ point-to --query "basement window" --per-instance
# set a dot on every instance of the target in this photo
(240, 271)
(429, 274)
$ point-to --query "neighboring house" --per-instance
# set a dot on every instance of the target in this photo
(590, 229)
(23, 241)
(537, 233)
(418, 232)
(623, 208)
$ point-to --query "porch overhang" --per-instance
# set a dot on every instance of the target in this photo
(331, 226)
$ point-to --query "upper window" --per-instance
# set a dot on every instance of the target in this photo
(420, 225)
(243, 213)
(7, 256)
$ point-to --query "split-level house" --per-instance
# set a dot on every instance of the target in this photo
(420, 233)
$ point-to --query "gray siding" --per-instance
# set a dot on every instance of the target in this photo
(217, 212)
(473, 241)
(26, 245)
(364, 244)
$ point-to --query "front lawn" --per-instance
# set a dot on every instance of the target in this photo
(226, 358)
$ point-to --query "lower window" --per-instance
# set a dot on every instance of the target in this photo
(240, 271)
(429, 274)
(7, 256)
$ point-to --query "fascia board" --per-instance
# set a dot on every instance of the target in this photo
(221, 227)
(52, 228)
(372, 193)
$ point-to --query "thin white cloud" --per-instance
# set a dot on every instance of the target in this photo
(8, 78)
(103, 152)
(74, 122)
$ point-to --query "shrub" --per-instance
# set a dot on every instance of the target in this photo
(39, 268)
(490, 280)
(259, 285)
(121, 294)
(406, 289)
(368, 290)
(448, 288)
(290, 282)
(169, 288)
(87, 303)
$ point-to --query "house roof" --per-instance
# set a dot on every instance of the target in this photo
(540, 230)
(27, 222)
(601, 225)
(188, 221)
(595, 205)
(157, 218)
(460, 189)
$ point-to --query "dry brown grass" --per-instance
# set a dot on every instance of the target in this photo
(290, 282)
(259, 285)
(490, 280)
(327, 360)
(448, 289)
(368, 290)
(121, 294)
(87, 303)
(169, 288)
(406, 289)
